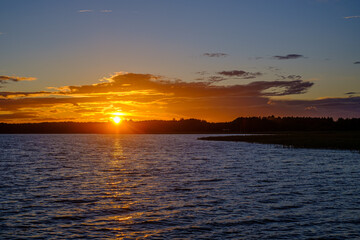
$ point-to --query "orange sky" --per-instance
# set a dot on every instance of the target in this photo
(145, 96)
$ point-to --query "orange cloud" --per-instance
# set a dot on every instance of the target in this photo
(124, 83)
(145, 96)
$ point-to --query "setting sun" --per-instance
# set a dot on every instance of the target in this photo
(116, 119)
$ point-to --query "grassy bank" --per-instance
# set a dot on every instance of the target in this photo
(318, 140)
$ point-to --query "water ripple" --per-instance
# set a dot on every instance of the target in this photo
(173, 187)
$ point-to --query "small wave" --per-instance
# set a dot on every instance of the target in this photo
(210, 180)
(199, 158)
(285, 207)
(179, 189)
(70, 201)
(69, 217)
(269, 200)
(53, 179)
(111, 211)
(231, 223)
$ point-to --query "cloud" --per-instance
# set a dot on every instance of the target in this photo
(202, 73)
(240, 74)
(214, 79)
(89, 10)
(23, 94)
(147, 96)
(85, 10)
(349, 17)
(212, 55)
(352, 93)
(273, 69)
(357, 62)
(147, 84)
(311, 108)
(4, 79)
(282, 88)
(289, 56)
(18, 115)
(334, 107)
(289, 77)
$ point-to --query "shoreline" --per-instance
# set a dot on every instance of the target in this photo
(312, 140)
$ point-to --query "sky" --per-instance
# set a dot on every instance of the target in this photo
(216, 60)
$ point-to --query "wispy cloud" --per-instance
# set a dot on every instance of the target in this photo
(240, 74)
(357, 62)
(349, 17)
(289, 56)
(5, 79)
(24, 94)
(85, 10)
(215, 79)
(90, 10)
(215, 55)
(352, 93)
(202, 73)
(289, 77)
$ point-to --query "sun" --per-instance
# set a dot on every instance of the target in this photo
(116, 120)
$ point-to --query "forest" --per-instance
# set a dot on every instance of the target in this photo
(239, 125)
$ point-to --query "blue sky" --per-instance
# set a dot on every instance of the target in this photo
(79, 42)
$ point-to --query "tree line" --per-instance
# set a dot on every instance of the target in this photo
(239, 125)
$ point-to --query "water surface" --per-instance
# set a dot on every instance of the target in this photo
(174, 187)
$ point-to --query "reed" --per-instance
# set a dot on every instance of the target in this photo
(318, 140)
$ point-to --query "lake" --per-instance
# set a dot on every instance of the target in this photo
(174, 187)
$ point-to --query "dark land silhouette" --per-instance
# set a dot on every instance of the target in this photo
(341, 140)
(239, 125)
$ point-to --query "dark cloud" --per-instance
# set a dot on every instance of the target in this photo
(215, 55)
(18, 115)
(240, 74)
(5, 79)
(289, 77)
(352, 93)
(334, 107)
(33, 102)
(326, 104)
(202, 73)
(294, 77)
(23, 94)
(273, 69)
(289, 56)
(281, 88)
(357, 62)
(215, 79)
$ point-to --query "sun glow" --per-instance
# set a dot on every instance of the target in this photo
(116, 119)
